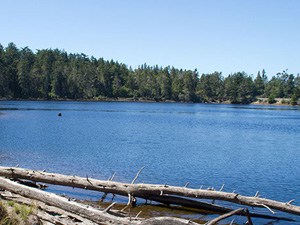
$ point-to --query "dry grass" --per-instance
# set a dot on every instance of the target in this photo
(12, 213)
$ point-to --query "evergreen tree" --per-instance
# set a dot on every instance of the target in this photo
(11, 59)
(45, 60)
(259, 85)
(239, 88)
(24, 66)
(3, 79)
(166, 84)
(190, 80)
(297, 86)
(52, 74)
(177, 84)
(210, 88)
(59, 85)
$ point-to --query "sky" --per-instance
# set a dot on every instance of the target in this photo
(208, 35)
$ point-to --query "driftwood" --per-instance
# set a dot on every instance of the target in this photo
(168, 199)
(94, 215)
(56, 215)
(47, 214)
(147, 191)
(229, 214)
(63, 203)
(167, 221)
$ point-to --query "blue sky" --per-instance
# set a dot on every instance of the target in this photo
(211, 35)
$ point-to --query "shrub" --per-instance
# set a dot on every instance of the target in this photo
(294, 100)
(271, 99)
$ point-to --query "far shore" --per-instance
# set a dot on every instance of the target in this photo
(279, 102)
(259, 101)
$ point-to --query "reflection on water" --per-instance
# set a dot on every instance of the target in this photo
(247, 148)
(265, 107)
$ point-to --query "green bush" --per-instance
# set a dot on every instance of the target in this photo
(294, 100)
(271, 99)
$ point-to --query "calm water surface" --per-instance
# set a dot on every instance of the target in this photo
(247, 148)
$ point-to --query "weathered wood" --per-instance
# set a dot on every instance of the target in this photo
(224, 216)
(144, 190)
(229, 214)
(248, 216)
(63, 203)
(95, 215)
(167, 221)
(45, 212)
(137, 175)
(210, 207)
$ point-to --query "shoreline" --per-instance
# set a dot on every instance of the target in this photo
(259, 101)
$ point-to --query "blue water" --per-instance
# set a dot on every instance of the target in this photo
(247, 148)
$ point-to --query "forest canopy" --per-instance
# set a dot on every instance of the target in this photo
(55, 74)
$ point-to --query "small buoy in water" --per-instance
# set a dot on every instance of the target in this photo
(59, 114)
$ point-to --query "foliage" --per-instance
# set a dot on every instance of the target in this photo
(239, 88)
(271, 99)
(260, 84)
(210, 87)
(19, 214)
(55, 74)
(294, 99)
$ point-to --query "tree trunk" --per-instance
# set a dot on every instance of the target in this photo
(44, 212)
(145, 190)
(97, 216)
(63, 203)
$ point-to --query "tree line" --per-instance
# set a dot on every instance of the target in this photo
(55, 74)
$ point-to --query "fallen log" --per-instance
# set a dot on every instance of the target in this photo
(63, 203)
(95, 215)
(145, 190)
(167, 221)
(168, 199)
(226, 215)
(45, 212)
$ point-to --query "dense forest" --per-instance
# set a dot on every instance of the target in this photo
(55, 74)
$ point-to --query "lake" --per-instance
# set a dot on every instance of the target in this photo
(248, 148)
